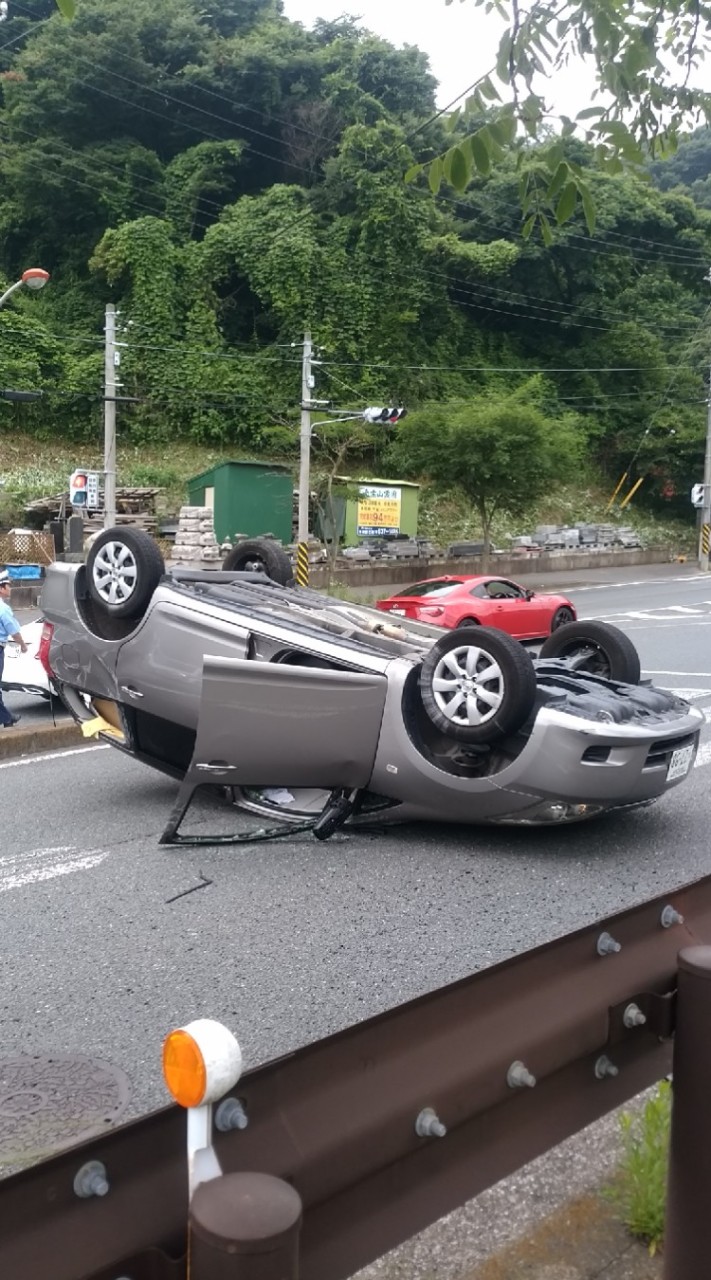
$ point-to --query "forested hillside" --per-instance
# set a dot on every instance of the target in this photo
(228, 178)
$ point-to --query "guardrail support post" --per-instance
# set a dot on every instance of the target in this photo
(687, 1244)
(244, 1226)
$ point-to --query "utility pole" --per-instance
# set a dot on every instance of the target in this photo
(110, 352)
(305, 468)
(705, 521)
(705, 531)
(302, 559)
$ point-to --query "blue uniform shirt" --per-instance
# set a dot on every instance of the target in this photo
(9, 625)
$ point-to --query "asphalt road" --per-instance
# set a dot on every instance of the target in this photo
(108, 940)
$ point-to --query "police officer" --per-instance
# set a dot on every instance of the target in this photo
(9, 630)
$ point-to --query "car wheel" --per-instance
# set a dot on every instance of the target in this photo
(469, 622)
(561, 618)
(123, 569)
(260, 555)
(595, 647)
(477, 689)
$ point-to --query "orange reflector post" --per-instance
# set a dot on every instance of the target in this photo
(184, 1069)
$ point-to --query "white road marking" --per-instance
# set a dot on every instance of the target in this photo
(52, 755)
(681, 608)
(36, 865)
(689, 695)
(662, 613)
(643, 582)
(648, 616)
(701, 675)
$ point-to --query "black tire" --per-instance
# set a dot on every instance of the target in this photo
(501, 703)
(597, 648)
(562, 617)
(123, 569)
(260, 554)
(469, 622)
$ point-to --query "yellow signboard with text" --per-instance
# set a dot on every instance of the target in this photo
(379, 511)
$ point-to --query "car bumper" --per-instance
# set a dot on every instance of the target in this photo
(582, 766)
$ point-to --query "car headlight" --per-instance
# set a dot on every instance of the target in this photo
(550, 812)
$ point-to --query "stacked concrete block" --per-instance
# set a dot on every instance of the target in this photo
(195, 545)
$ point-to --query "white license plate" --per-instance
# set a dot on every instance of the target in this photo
(680, 763)
(400, 611)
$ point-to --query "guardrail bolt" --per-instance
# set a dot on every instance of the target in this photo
(633, 1016)
(604, 1068)
(429, 1125)
(231, 1115)
(607, 945)
(519, 1077)
(91, 1180)
(670, 916)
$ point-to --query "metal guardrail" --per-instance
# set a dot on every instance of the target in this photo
(390, 1124)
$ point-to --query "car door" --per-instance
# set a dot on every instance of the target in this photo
(278, 724)
(159, 668)
(511, 611)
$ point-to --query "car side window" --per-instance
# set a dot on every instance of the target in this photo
(480, 591)
(497, 589)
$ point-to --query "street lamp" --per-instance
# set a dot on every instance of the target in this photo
(34, 278)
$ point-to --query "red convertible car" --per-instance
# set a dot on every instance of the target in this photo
(485, 600)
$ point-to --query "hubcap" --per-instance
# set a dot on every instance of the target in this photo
(564, 616)
(115, 572)
(468, 685)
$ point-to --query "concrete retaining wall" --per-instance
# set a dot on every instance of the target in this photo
(400, 572)
(392, 573)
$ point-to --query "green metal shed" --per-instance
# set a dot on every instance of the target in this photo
(246, 497)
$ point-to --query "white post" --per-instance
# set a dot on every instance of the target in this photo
(305, 440)
(706, 508)
(9, 292)
(110, 417)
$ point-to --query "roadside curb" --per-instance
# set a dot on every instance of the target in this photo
(48, 737)
(582, 1240)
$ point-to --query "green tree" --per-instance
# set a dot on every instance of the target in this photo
(644, 57)
(501, 452)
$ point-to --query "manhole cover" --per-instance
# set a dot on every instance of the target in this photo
(49, 1103)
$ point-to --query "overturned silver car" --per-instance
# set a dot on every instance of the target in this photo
(277, 693)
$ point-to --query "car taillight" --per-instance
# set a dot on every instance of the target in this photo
(43, 650)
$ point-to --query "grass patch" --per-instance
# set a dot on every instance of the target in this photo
(32, 468)
(640, 1187)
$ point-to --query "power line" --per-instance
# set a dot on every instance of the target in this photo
(89, 186)
(543, 304)
(562, 318)
(483, 368)
(586, 247)
(90, 167)
(664, 399)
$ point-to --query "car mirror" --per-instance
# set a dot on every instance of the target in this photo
(530, 594)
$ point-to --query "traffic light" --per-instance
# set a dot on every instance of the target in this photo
(9, 394)
(387, 414)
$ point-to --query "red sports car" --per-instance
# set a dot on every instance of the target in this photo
(491, 602)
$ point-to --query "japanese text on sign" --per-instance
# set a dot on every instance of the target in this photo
(378, 511)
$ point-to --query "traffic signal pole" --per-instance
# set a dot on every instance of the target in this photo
(302, 550)
(110, 417)
(305, 439)
(705, 531)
